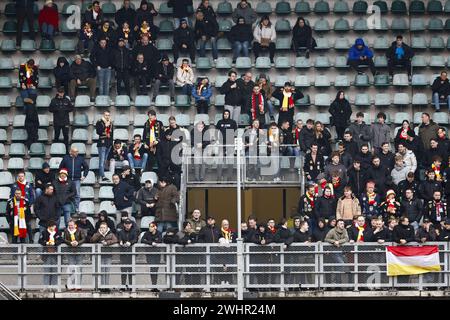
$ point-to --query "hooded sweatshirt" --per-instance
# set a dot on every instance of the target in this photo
(354, 53)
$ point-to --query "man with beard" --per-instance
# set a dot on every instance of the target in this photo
(378, 174)
(436, 210)
(357, 177)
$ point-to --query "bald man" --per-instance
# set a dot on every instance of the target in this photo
(77, 169)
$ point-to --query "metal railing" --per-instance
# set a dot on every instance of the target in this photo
(204, 267)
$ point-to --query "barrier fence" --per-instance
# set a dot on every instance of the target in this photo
(210, 267)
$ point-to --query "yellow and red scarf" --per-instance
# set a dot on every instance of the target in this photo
(437, 171)
(310, 199)
(257, 105)
(20, 225)
(360, 237)
(288, 101)
(371, 198)
(226, 233)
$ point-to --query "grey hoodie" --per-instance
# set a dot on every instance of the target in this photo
(248, 14)
(399, 173)
(380, 133)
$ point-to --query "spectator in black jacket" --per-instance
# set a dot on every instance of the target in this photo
(107, 32)
(85, 226)
(50, 238)
(103, 217)
(102, 60)
(314, 163)
(104, 127)
(86, 39)
(46, 208)
(357, 177)
(127, 237)
(65, 193)
(351, 146)
(184, 41)
(151, 55)
(262, 235)
(444, 234)
(146, 12)
(31, 121)
(83, 74)
(180, 10)
(441, 90)
(341, 112)
(321, 231)
(24, 11)
(94, 15)
(206, 29)
(61, 106)
(233, 95)
(436, 210)
(62, 73)
(429, 186)
(302, 234)
(360, 231)
(164, 75)
(240, 37)
(302, 37)
(137, 153)
(408, 183)
(380, 232)
(125, 14)
(307, 136)
(123, 196)
(379, 174)
(121, 58)
(141, 72)
(153, 237)
(283, 234)
(403, 233)
(42, 178)
(209, 233)
(287, 97)
(401, 54)
(326, 205)
(412, 208)
(186, 235)
(128, 35)
(426, 232)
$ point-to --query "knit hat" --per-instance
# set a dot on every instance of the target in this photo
(64, 171)
(389, 192)
(45, 165)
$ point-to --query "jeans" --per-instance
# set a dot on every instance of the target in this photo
(105, 267)
(120, 164)
(142, 163)
(187, 89)
(66, 211)
(235, 112)
(102, 154)
(239, 46)
(74, 271)
(104, 80)
(50, 269)
(202, 51)
(164, 225)
(171, 85)
(38, 191)
(28, 93)
(270, 107)
(176, 22)
(77, 196)
(436, 101)
(48, 31)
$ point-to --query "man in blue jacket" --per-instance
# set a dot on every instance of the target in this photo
(77, 168)
(360, 55)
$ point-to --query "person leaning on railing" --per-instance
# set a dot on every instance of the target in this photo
(338, 235)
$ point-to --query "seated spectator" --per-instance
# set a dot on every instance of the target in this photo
(360, 55)
(151, 55)
(180, 10)
(62, 74)
(202, 92)
(118, 156)
(196, 222)
(141, 71)
(48, 20)
(103, 218)
(147, 30)
(444, 234)
(348, 207)
(83, 75)
(340, 111)
(244, 10)
(167, 198)
(28, 80)
(164, 75)
(287, 97)
(399, 54)
(185, 77)
(123, 196)
(403, 233)
(18, 215)
(441, 91)
(184, 41)
(240, 37)
(94, 15)
(85, 226)
(400, 170)
(146, 12)
(145, 197)
(206, 29)
(137, 154)
(390, 208)
(265, 36)
(122, 63)
(42, 178)
(126, 14)
(379, 233)
(357, 177)
(107, 32)
(87, 39)
(126, 33)
(302, 38)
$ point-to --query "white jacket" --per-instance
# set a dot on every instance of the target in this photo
(264, 32)
(185, 77)
(410, 161)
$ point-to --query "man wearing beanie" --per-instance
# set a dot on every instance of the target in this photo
(65, 193)
(42, 178)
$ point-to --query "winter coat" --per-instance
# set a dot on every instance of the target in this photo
(75, 166)
(166, 209)
(408, 53)
(144, 15)
(319, 234)
(185, 76)
(79, 235)
(361, 133)
(100, 129)
(121, 191)
(428, 132)
(197, 225)
(46, 208)
(264, 32)
(82, 71)
(65, 192)
(109, 237)
(10, 211)
(370, 210)
(341, 112)
(45, 237)
(61, 107)
(145, 196)
(240, 33)
(184, 36)
(429, 212)
(206, 93)
(348, 215)
(125, 15)
(44, 179)
(233, 96)
(399, 173)
(247, 13)
(306, 138)
(89, 18)
(109, 222)
(312, 168)
(301, 237)
(208, 27)
(336, 234)
(283, 235)
(150, 238)
(387, 160)
(102, 57)
(325, 208)
(159, 132)
(121, 59)
(442, 87)
(427, 188)
(353, 232)
(303, 36)
(405, 184)
(131, 235)
(380, 134)
(357, 179)
(258, 236)
(354, 53)
(29, 191)
(32, 80)
(209, 234)
(165, 75)
(49, 15)
(62, 74)
(403, 232)
(413, 209)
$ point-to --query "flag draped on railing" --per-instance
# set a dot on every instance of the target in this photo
(403, 260)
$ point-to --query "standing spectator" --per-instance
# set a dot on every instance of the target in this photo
(202, 92)
(196, 222)
(360, 55)
(62, 74)
(265, 36)
(164, 75)
(18, 215)
(364, 156)
(206, 29)
(322, 137)
(306, 136)
(121, 60)
(83, 75)
(61, 106)
(287, 97)
(123, 196)
(351, 146)
(326, 205)
(127, 237)
(50, 239)
(31, 121)
(232, 93)
(262, 235)
(427, 130)
(307, 204)
(403, 233)
(357, 177)
(184, 40)
(302, 37)
(85, 226)
(403, 132)
(345, 157)
(65, 193)
(360, 130)
(314, 163)
(48, 20)
(26, 188)
(341, 112)
(141, 72)
(436, 151)
(150, 53)
(379, 175)
(267, 91)
(152, 136)
(118, 156)
(180, 10)
(106, 237)
(408, 157)
(146, 12)
(227, 128)
(130, 178)
(209, 233)
(108, 33)
(370, 202)
(185, 235)
(429, 186)
(87, 39)
(240, 37)
(246, 85)
(94, 15)
(256, 106)
(381, 132)
(348, 207)
(390, 208)
(412, 208)
(153, 237)
(77, 169)
(337, 237)
(102, 60)
(104, 128)
(126, 14)
(46, 207)
(24, 10)
(199, 141)
(379, 233)
(441, 91)
(400, 170)
(408, 183)
(137, 154)
(145, 197)
(42, 178)
(436, 210)
(244, 10)
(185, 77)
(167, 198)
(360, 231)
(401, 54)
(387, 157)
(74, 238)
(335, 167)
(28, 79)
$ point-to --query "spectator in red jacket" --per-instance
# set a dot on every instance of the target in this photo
(48, 20)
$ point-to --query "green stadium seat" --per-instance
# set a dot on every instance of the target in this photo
(417, 25)
(5, 83)
(282, 25)
(6, 64)
(45, 83)
(360, 25)
(341, 25)
(381, 43)
(54, 162)
(183, 120)
(164, 44)
(341, 81)
(4, 121)
(164, 9)
(282, 63)
(399, 25)
(10, 9)
(380, 27)
(66, 30)
(324, 118)
(341, 7)
(283, 7)
(401, 116)
(304, 102)
(35, 163)
(419, 61)
(82, 101)
(57, 149)
(361, 80)
(302, 81)
(93, 163)
(182, 100)
(447, 6)
(304, 116)
(166, 26)
(94, 150)
(362, 100)
(121, 120)
(42, 135)
(401, 98)
(302, 63)
(27, 45)
(109, 8)
(437, 61)
(435, 24)
(108, 207)
(340, 62)
(8, 45)
(80, 134)
(382, 100)
(80, 120)
(44, 121)
(418, 43)
(398, 7)
(224, 8)
(322, 44)
(434, 7)
(321, 25)
(419, 80)
(447, 25)
(263, 7)
(342, 43)
(19, 121)
(9, 27)
(121, 134)
(322, 81)
(43, 101)
(225, 25)
(87, 192)
(3, 135)
(321, 7)
(224, 63)
(142, 102)
(6, 178)
(437, 43)
(302, 7)
(87, 207)
(17, 149)
(420, 99)
(223, 44)
(162, 100)
(322, 62)
(262, 63)
(440, 118)
(140, 120)
(417, 117)
(382, 5)
(164, 118)
(416, 7)
(15, 164)
(283, 43)
(122, 101)
(4, 101)
(47, 45)
(80, 146)
(400, 80)
(243, 63)
(322, 100)
(37, 149)
(219, 100)
(203, 63)
(46, 64)
(280, 80)
(360, 7)
(67, 45)
(201, 117)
